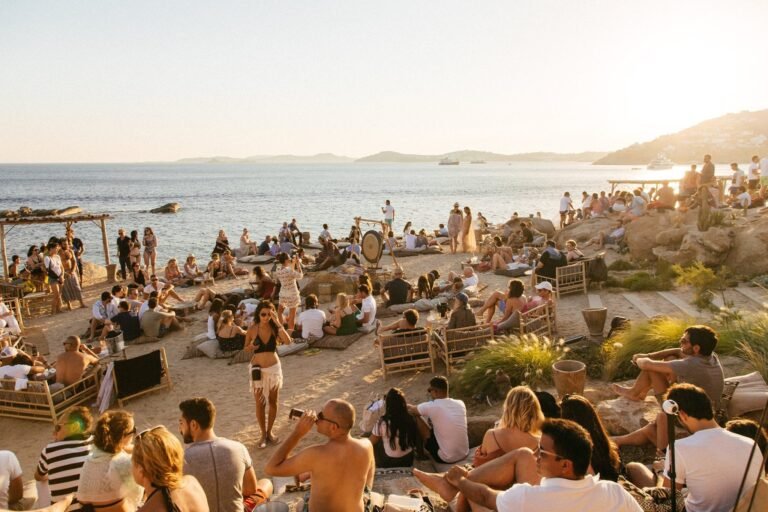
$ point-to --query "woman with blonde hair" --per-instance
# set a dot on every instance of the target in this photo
(158, 465)
(344, 319)
(231, 337)
(572, 252)
(106, 481)
(468, 243)
(173, 274)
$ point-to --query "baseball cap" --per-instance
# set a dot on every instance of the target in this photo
(544, 285)
(9, 352)
(462, 297)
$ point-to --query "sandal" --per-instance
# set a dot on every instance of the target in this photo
(297, 488)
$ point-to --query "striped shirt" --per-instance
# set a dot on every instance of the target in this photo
(62, 461)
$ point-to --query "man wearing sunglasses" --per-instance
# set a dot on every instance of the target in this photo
(342, 469)
(562, 459)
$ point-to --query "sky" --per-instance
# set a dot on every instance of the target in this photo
(110, 81)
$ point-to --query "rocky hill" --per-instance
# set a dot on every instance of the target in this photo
(730, 138)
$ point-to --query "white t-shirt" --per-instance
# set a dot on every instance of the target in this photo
(16, 371)
(410, 241)
(10, 469)
(711, 463)
(449, 424)
(744, 200)
(368, 306)
(590, 494)
(737, 179)
(10, 321)
(311, 322)
(380, 429)
(472, 280)
(565, 203)
(149, 288)
(389, 212)
(103, 312)
(586, 202)
(638, 206)
(754, 170)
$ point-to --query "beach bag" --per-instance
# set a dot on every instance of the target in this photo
(597, 270)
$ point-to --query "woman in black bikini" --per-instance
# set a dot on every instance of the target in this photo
(266, 374)
(231, 337)
(157, 462)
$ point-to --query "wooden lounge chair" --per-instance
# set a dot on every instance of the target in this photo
(38, 402)
(454, 345)
(140, 375)
(404, 352)
(570, 278)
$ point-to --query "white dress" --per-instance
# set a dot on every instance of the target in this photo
(289, 289)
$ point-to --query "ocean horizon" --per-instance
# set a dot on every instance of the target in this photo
(262, 196)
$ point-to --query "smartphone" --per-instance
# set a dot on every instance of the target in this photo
(295, 414)
(256, 373)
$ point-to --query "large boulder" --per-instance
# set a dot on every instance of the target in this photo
(167, 208)
(641, 234)
(671, 237)
(543, 225)
(750, 246)
(621, 416)
(477, 427)
(709, 247)
(583, 231)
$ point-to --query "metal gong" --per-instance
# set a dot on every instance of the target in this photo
(372, 246)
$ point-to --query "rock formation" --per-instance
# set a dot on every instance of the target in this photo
(167, 208)
(621, 416)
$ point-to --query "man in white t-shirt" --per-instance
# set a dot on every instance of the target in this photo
(711, 461)
(311, 320)
(164, 290)
(11, 483)
(389, 214)
(562, 459)
(410, 240)
(7, 320)
(755, 170)
(566, 204)
(443, 423)
(743, 200)
(367, 317)
(737, 179)
(101, 313)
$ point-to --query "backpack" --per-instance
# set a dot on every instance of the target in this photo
(597, 270)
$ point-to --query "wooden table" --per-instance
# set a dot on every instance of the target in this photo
(183, 309)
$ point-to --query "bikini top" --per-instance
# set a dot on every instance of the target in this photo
(269, 346)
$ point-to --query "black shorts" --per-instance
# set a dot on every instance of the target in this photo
(432, 447)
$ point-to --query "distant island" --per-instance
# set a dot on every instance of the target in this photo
(483, 156)
(320, 158)
(729, 138)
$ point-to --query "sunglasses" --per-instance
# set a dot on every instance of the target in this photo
(320, 417)
(541, 452)
(264, 315)
(141, 434)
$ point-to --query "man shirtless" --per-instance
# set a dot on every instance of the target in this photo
(71, 364)
(341, 469)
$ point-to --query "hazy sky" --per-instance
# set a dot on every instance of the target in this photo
(110, 81)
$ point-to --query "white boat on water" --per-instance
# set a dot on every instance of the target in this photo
(448, 161)
(661, 162)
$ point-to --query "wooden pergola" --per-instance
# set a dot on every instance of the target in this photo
(12, 222)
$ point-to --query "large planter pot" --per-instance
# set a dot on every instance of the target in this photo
(569, 377)
(111, 272)
(595, 320)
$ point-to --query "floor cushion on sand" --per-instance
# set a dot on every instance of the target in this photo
(516, 272)
(264, 258)
(337, 342)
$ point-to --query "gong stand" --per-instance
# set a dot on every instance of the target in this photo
(384, 229)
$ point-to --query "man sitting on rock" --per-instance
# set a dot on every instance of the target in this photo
(443, 423)
(329, 256)
(398, 290)
(615, 236)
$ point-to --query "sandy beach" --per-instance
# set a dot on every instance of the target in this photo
(310, 379)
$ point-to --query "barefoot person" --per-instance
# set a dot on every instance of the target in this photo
(694, 362)
(446, 439)
(288, 274)
(455, 222)
(72, 363)
(342, 469)
(265, 371)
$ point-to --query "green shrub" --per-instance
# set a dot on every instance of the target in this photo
(620, 265)
(527, 360)
(591, 354)
(643, 281)
(705, 283)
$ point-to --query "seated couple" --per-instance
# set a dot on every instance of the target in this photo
(513, 303)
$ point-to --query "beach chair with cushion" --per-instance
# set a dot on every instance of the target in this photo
(570, 278)
(537, 321)
(15, 306)
(39, 402)
(455, 345)
(404, 352)
(140, 375)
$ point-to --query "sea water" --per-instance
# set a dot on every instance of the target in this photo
(262, 196)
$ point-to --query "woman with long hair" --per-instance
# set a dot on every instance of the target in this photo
(288, 274)
(605, 454)
(572, 252)
(215, 269)
(423, 288)
(468, 243)
(173, 273)
(150, 249)
(396, 434)
(139, 276)
(455, 223)
(265, 371)
(344, 320)
(36, 266)
(518, 427)
(508, 302)
(265, 285)
(158, 466)
(231, 337)
(407, 228)
(214, 313)
(55, 270)
(247, 247)
(191, 269)
(222, 243)
(106, 480)
(70, 289)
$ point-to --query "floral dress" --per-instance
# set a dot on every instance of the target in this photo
(289, 289)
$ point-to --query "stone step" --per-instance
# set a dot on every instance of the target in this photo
(683, 306)
(755, 294)
(640, 304)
